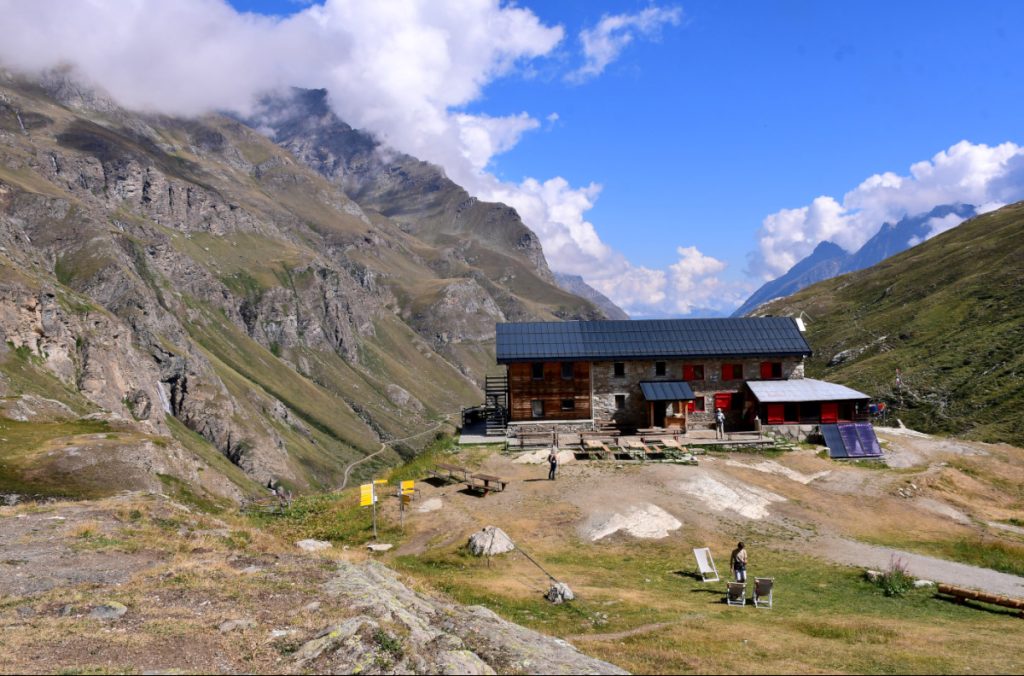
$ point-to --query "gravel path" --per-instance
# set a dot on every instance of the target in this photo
(854, 553)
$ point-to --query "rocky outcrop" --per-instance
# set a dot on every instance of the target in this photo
(397, 630)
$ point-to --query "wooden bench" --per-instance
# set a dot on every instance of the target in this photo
(485, 483)
(449, 472)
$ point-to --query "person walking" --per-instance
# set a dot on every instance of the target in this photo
(738, 562)
(719, 424)
(553, 463)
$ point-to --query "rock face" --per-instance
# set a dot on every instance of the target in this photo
(397, 630)
(293, 305)
(490, 541)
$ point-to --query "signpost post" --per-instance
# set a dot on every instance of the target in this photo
(368, 498)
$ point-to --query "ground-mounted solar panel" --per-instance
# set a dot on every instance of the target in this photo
(852, 442)
(868, 440)
(834, 441)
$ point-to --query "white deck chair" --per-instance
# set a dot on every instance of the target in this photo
(763, 591)
(706, 565)
(737, 594)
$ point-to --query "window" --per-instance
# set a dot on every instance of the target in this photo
(537, 408)
(693, 372)
(566, 370)
(696, 405)
(732, 371)
(659, 368)
(538, 371)
(620, 369)
(568, 404)
(620, 402)
(771, 369)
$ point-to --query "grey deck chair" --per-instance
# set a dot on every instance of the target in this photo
(736, 594)
(763, 591)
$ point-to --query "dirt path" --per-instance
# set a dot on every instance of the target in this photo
(920, 566)
(384, 447)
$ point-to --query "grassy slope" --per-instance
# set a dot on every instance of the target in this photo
(826, 618)
(949, 313)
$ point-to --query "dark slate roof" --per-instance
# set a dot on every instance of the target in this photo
(649, 339)
(666, 390)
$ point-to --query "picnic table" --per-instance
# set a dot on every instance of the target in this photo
(447, 472)
(485, 483)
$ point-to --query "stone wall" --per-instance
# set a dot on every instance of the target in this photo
(811, 433)
(635, 412)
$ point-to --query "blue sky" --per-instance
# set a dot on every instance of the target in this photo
(747, 108)
(720, 143)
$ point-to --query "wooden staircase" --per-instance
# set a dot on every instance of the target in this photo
(496, 405)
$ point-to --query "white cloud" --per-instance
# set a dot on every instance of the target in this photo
(940, 224)
(985, 176)
(603, 43)
(402, 70)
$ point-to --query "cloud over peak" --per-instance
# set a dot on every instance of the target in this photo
(986, 176)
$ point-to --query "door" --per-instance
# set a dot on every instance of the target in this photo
(659, 413)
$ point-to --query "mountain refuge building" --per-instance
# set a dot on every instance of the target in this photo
(666, 373)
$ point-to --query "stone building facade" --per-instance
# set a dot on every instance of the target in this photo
(619, 397)
(646, 373)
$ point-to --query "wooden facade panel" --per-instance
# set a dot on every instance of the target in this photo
(551, 390)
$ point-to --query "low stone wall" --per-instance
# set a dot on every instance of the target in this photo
(562, 427)
(811, 433)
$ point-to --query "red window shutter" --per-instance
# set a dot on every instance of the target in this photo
(691, 406)
(723, 400)
(726, 371)
(766, 370)
(829, 412)
(776, 414)
(688, 372)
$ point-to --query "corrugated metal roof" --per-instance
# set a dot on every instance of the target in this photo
(649, 339)
(801, 389)
(666, 390)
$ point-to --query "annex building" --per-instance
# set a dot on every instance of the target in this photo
(668, 373)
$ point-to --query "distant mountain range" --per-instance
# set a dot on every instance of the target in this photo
(830, 260)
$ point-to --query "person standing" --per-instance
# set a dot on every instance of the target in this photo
(553, 463)
(738, 562)
(719, 424)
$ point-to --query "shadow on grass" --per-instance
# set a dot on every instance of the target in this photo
(688, 573)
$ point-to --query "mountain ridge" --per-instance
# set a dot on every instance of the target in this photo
(194, 284)
(946, 315)
(829, 259)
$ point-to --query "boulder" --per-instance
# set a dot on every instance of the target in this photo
(313, 545)
(108, 611)
(490, 541)
(559, 593)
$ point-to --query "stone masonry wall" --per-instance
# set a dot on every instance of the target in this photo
(635, 413)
